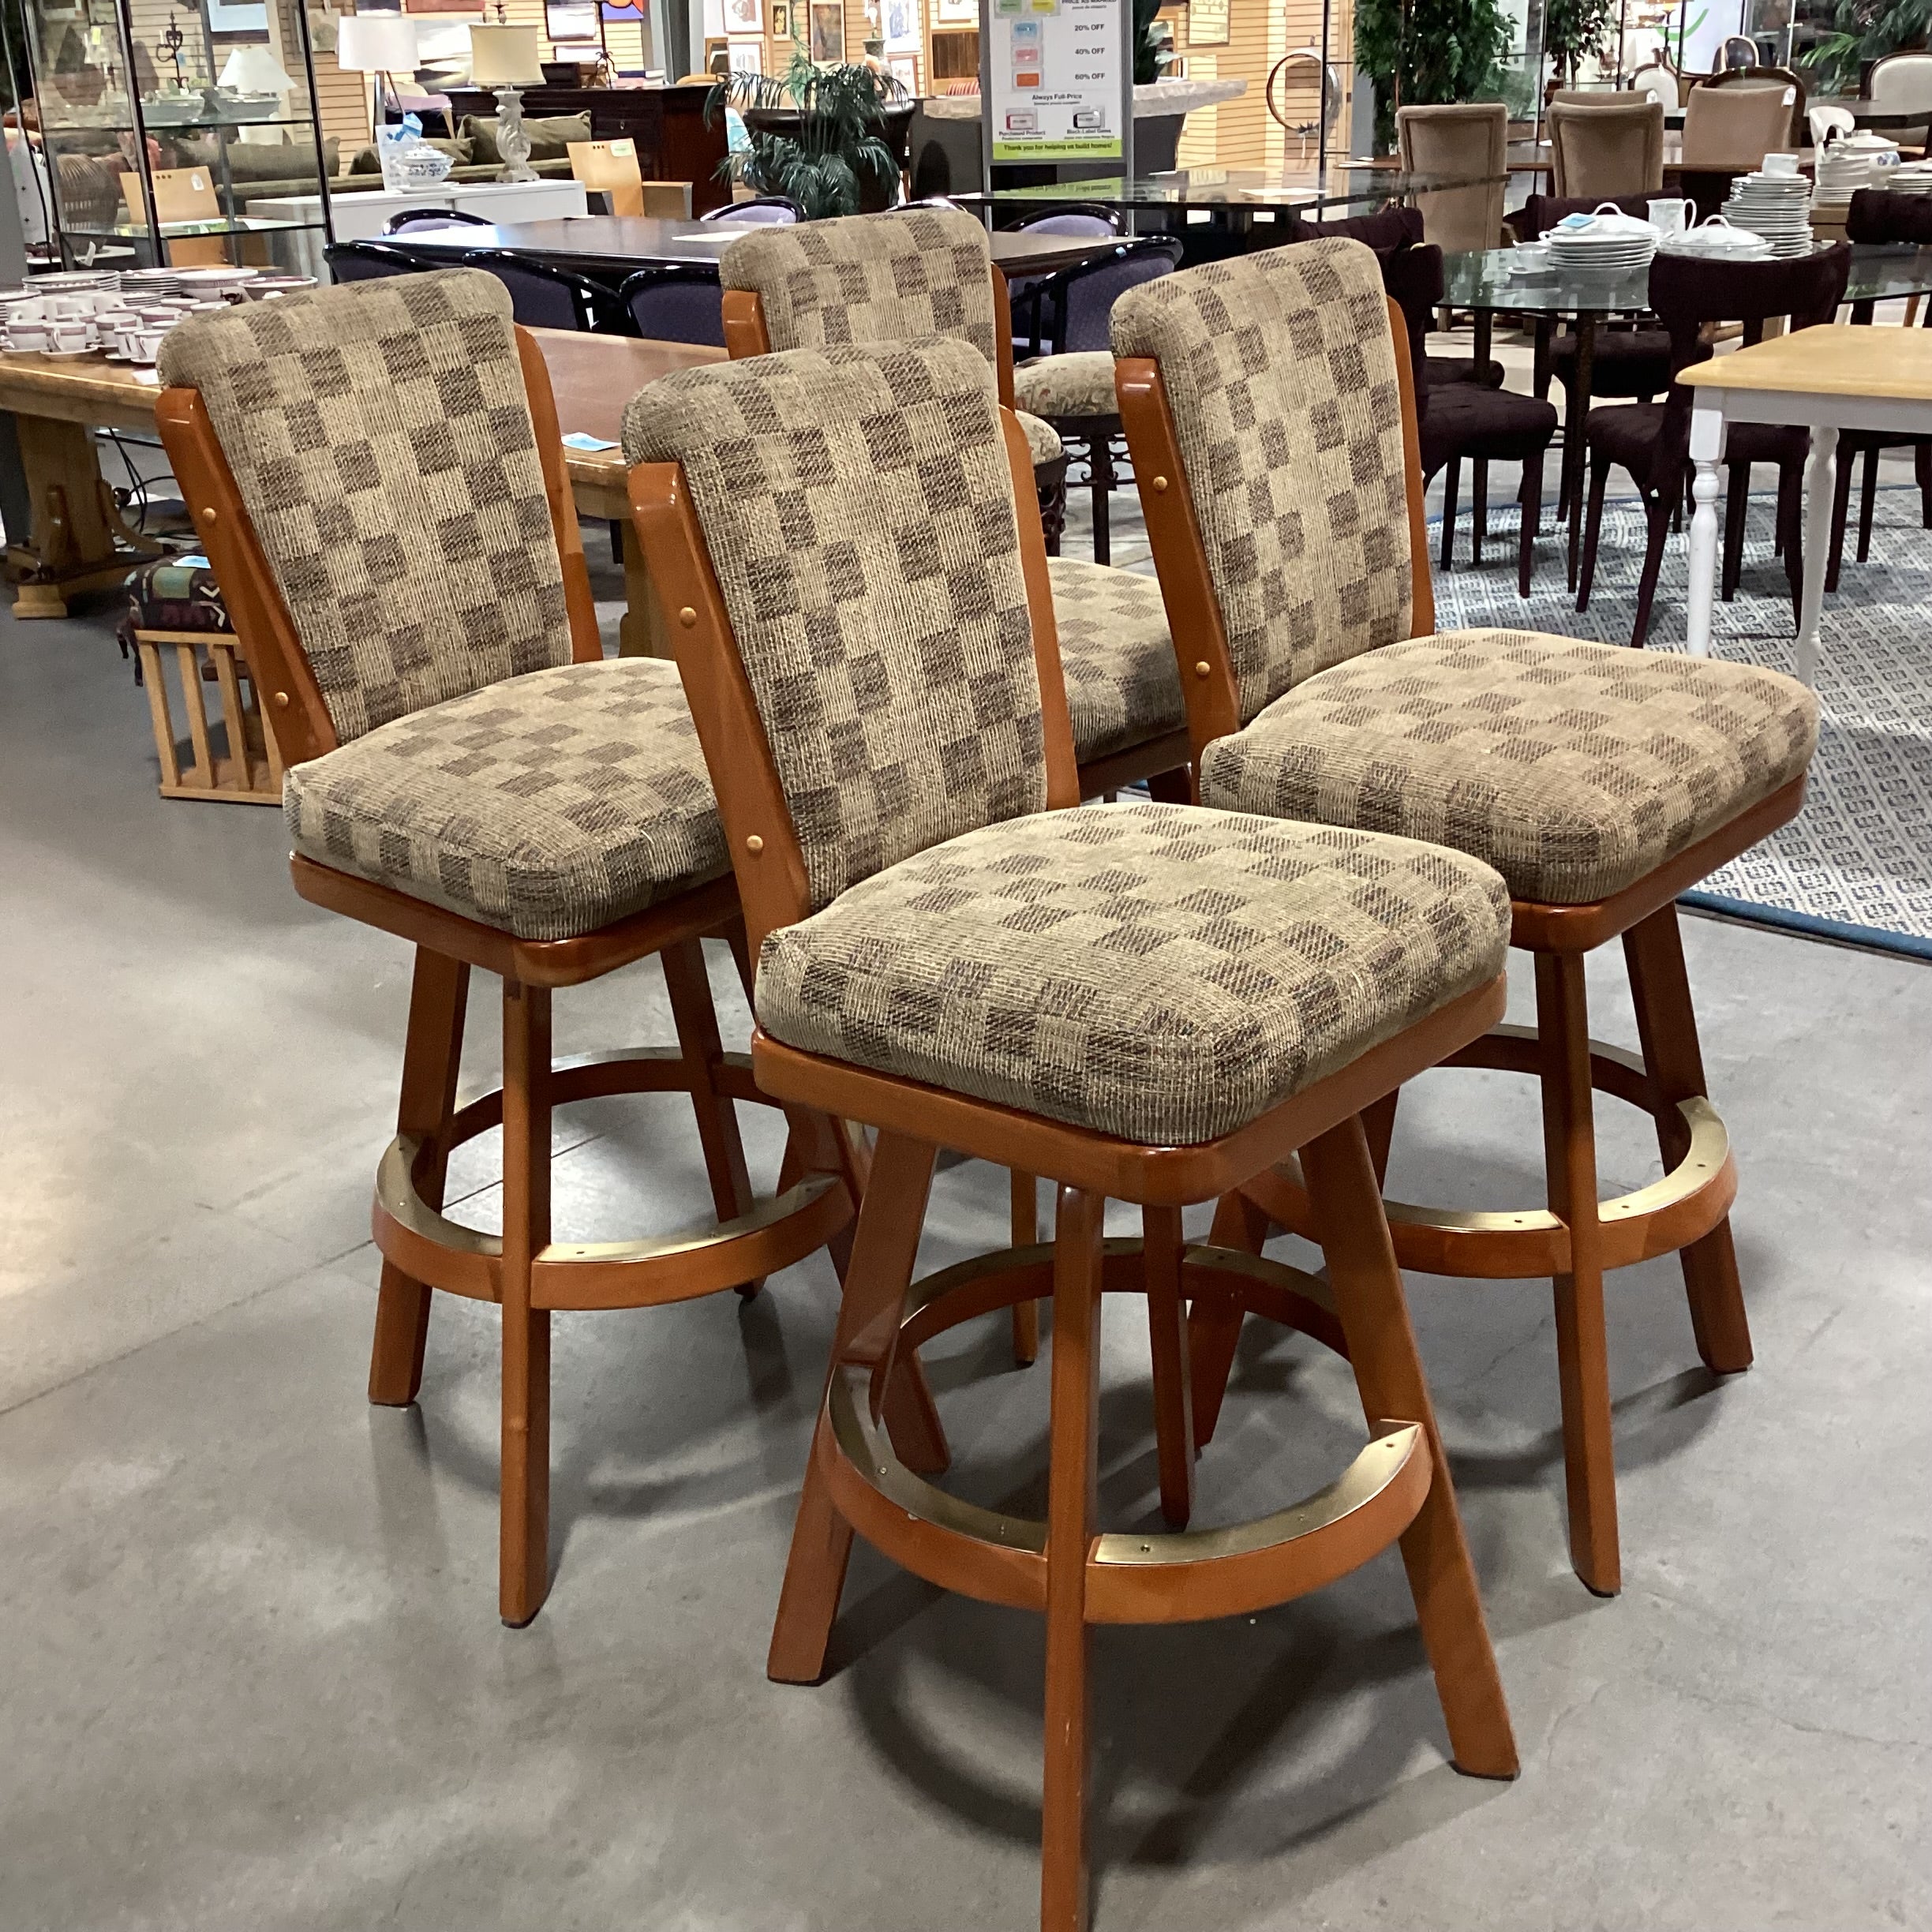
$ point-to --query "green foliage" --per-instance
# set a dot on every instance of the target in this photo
(1445, 50)
(1574, 30)
(1145, 69)
(842, 113)
(1860, 31)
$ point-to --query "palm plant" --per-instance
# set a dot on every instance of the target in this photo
(1858, 31)
(842, 112)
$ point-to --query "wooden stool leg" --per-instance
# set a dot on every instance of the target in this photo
(1369, 1298)
(1173, 1396)
(187, 662)
(1666, 1026)
(1215, 1322)
(524, 1581)
(1025, 1203)
(155, 680)
(432, 1053)
(1072, 1517)
(1583, 1347)
(696, 1021)
(889, 1222)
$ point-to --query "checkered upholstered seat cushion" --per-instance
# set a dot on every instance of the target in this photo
(1044, 443)
(1154, 971)
(1280, 371)
(1077, 385)
(870, 280)
(1117, 655)
(381, 440)
(858, 507)
(548, 805)
(1574, 768)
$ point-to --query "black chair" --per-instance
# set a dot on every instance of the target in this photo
(542, 297)
(1875, 216)
(1652, 440)
(679, 302)
(432, 218)
(1461, 421)
(770, 211)
(362, 261)
(1070, 218)
(1071, 387)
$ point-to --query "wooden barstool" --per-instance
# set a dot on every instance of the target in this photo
(886, 278)
(1269, 406)
(376, 472)
(1152, 1003)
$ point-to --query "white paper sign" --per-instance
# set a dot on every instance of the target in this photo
(1057, 70)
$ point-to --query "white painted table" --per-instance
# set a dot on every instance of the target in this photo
(1825, 380)
(361, 216)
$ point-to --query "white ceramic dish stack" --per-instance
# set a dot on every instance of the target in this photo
(1777, 207)
(125, 316)
(1606, 243)
(1909, 177)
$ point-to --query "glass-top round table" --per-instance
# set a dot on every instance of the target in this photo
(1481, 282)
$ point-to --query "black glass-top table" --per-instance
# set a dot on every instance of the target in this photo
(1481, 282)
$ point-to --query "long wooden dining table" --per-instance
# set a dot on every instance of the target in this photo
(79, 541)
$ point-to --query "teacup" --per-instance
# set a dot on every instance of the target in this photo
(144, 345)
(69, 338)
(30, 336)
(1783, 165)
(1672, 217)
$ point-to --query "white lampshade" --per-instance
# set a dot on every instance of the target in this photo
(255, 70)
(505, 57)
(376, 44)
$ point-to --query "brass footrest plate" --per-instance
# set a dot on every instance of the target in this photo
(704, 1259)
(1526, 1244)
(1166, 1577)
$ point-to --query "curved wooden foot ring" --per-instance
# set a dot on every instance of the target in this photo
(1659, 1219)
(1171, 1577)
(432, 1249)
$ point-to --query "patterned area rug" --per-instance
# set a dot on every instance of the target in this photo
(1857, 863)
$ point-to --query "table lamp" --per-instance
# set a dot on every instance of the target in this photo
(255, 70)
(505, 58)
(381, 44)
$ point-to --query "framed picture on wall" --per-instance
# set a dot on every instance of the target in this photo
(1207, 23)
(904, 68)
(781, 20)
(828, 31)
(956, 13)
(744, 16)
(902, 26)
(748, 57)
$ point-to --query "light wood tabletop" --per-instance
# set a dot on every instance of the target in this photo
(1830, 359)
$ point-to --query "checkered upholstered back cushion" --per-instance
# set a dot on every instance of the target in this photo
(1280, 371)
(380, 437)
(859, 512)
(870, 280)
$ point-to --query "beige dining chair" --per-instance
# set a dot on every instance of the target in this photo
(1738, 125)
(1779, 82)
(1613, 148)
(1468, 138)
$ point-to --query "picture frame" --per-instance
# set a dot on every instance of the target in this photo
(904, 68)
(781, 20)
(744, 16)
(901, 22)
(1207, 23)
(828, 31)
(748, 56)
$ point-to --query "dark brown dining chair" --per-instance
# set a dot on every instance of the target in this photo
(1877, 216)
(1147, 1002)
(377, 475)
(1470, 422)
(1268, 403)
(1652, 440)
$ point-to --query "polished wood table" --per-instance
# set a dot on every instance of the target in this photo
(78, 541)
(592, 244)
(1830, 378)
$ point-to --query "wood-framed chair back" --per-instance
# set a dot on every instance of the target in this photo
(1208, 678)
(759, 822)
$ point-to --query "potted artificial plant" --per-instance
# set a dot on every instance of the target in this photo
(822, 136)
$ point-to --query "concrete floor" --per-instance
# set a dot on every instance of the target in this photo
(254, 1677)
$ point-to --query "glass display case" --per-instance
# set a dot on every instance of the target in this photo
(162, 122)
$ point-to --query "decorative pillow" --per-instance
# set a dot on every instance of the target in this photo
(550, 138)
(262, 161)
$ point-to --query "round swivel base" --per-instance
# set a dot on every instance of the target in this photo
(428, 1247)
(1135, 1578)
(1668, 1214)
